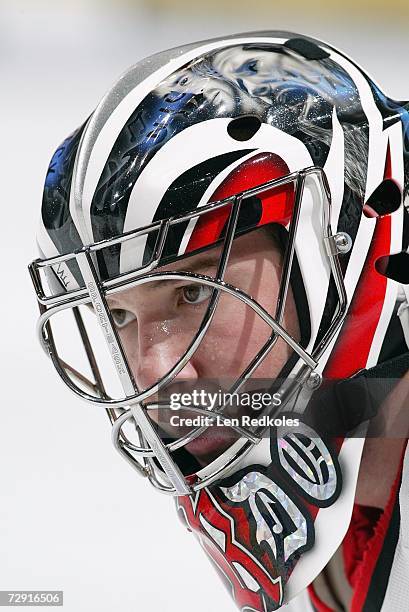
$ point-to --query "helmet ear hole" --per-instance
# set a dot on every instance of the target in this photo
(243, 128)
(386, 198)
(395, 267)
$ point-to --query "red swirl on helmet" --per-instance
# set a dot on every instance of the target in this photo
(233, 551)
(275, 205)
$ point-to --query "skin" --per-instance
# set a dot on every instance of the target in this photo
(159, 321)
(383, 448)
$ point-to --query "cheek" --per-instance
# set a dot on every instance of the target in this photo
(235, 336)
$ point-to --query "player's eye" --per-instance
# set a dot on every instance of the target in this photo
(196, 294)
(122, 317)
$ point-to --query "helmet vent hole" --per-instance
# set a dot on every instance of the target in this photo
(306, 48)
(395, 267)
(243, 128)
(386, 198)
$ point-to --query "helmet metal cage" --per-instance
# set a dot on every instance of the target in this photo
(169, 479)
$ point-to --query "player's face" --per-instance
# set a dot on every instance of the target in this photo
(157, 322)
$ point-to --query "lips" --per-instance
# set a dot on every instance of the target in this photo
(211, 443)
(215, 437)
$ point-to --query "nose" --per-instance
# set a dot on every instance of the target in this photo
(158, 354)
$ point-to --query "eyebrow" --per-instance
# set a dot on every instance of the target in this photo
(201, 264)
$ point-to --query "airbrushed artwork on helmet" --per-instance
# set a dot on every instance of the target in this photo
(256, 525)
(56, 196)
(283, 90)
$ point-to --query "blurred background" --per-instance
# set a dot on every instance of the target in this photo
(73, 515)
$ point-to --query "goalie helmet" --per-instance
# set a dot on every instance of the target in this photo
(195, 158)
